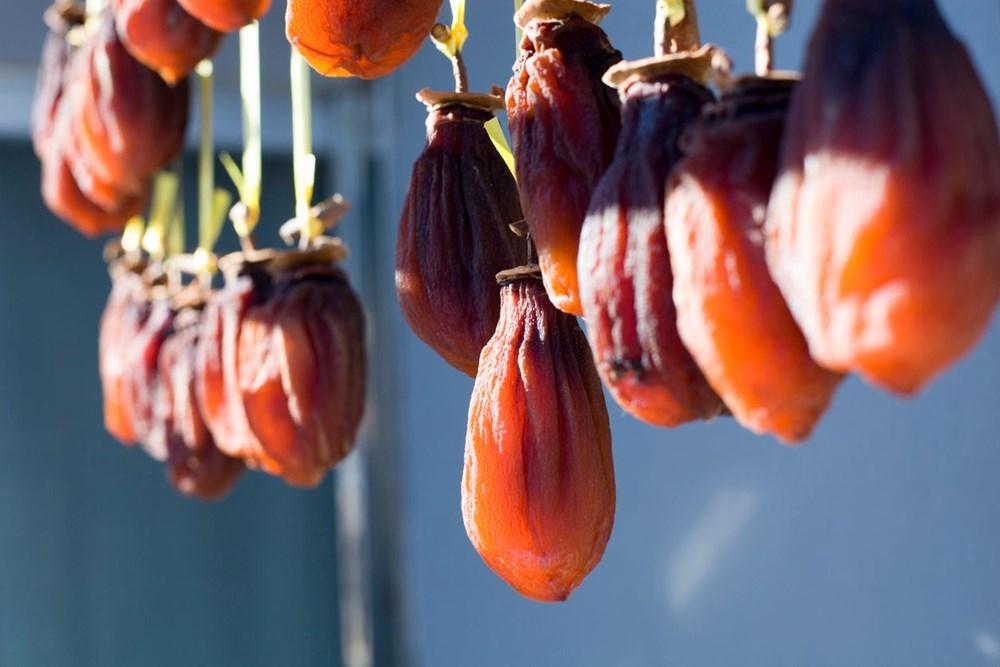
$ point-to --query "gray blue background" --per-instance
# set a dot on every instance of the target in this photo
(875, 543)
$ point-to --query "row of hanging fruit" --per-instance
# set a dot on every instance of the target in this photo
(735, 245)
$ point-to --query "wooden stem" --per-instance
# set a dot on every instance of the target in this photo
(676, 27)
(763, 50)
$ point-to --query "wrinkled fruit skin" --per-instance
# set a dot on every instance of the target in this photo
(883, 229)
(142, 353)
(730, 314)
(302, 371)
(133, 328)
(52, 135)
(454, 237)
(48, 89)
(226, 15)
(538, 491)
(195, 466)
(564, 125)
(110, 125)
(217, 365)
(164, 37)
(62, 195)
(129, 124)
(362, 38)
(625, 274)
(126, 310)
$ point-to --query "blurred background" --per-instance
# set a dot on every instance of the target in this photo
(877, 542)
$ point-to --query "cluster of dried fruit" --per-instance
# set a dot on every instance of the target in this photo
(266, 372)
(111, 105)
(733, 255)
(103, 123)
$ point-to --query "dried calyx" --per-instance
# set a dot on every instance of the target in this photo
(591, 12)
(323, 216)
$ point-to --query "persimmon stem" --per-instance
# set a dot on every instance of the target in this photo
(773, 17)
(763, 50)
(460, 72)
(441, 35)
(676, 27)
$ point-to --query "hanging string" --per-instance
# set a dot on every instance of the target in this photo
(212, 202)
(304, 162)
(248, 177)
(161, 211)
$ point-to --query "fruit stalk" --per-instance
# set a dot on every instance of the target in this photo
(676, 27)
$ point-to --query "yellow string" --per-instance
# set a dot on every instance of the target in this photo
(250, 94)
(500, 143)
(165, 189)
(304, 162)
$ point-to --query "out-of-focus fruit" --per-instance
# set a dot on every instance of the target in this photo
(625, 274)
(564, 124)
(164, 37)
(142, 353)
(301, 367)
(454, 236)
(730, 314)
(129, 123)
(63, 196)
(49, 87)
(362, 38)
(883, 228)
(126, 309)
(226, 15)
(195, 466)
(538, 491)
(248, 284)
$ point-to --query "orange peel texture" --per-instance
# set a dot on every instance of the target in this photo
(538, 491)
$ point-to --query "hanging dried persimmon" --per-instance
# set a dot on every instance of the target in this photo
(50, 80)
(730, 314)
(538, 490)
(626, 280)
(302, 366)
(247, 284)
(362, 38)
(129, 123)
(454, 236)
(164, 37)
(226, 15)
(883, 229)
(126, 310)
(195, 466)
(564, 123)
